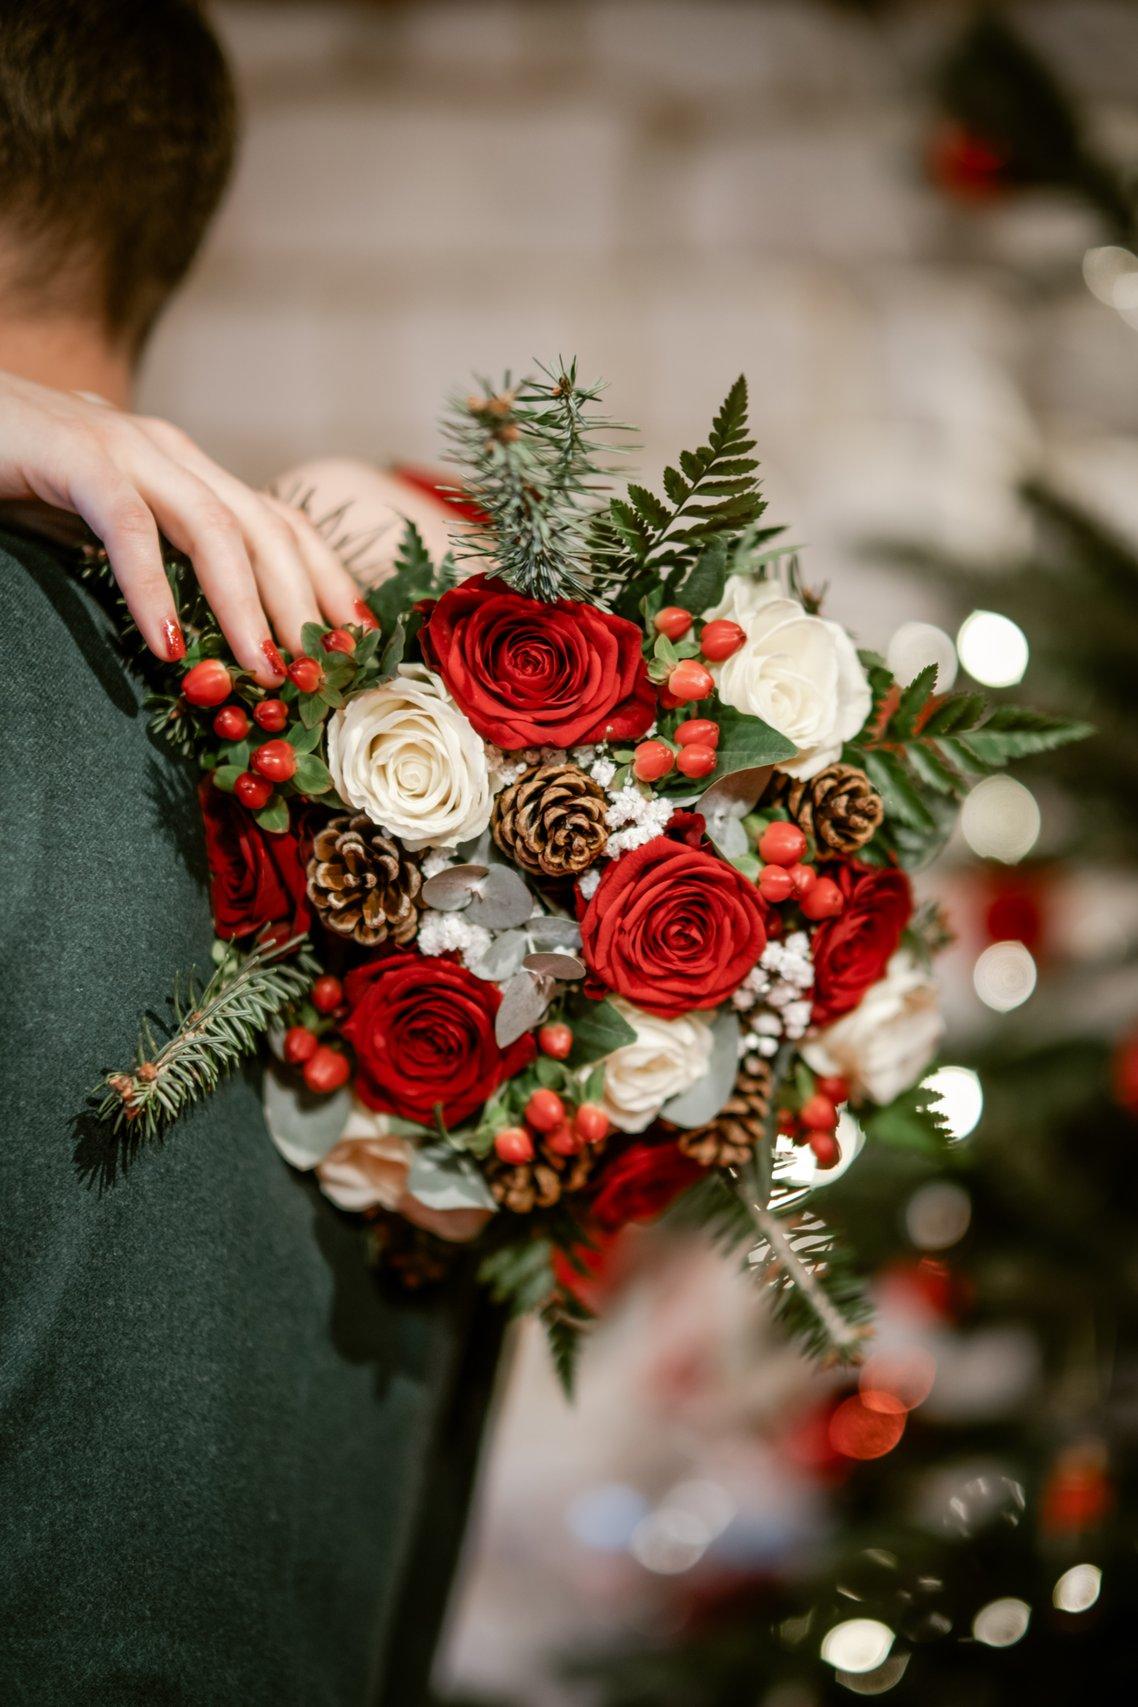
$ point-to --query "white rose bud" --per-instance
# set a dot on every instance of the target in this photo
(799, 673)
(884, 1044)
(405, 755)
(668, 1056)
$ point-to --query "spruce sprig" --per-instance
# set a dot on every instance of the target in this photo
(215, 1027)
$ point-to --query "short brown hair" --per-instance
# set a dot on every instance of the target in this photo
(117, 134)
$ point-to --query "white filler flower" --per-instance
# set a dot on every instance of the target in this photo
(884, 1045)
(405, 755)
(799, 673)
(668, 1056)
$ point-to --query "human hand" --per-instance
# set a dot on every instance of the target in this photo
(262, 566)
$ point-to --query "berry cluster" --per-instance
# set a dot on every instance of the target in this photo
(324, 1068)
(813, 1118)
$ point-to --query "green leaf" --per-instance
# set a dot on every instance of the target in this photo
(311, 636)
(902, 799)
(393, 651)
(703, 588)
(441, 1178)
(305, 739)
(745, 743)
(1012, 732)
(313, 710)
(274, 816)
(912, 702)
(912, 1121)
(225, 776)
(311, 775)
(598, 1029)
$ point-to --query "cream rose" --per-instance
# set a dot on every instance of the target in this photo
(668, 1056)
(405, 755)
(368, 1169)
(799, 673)
(886, 1042)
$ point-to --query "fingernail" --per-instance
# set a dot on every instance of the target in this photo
(275, 661)
(175, 640)
(366, 616)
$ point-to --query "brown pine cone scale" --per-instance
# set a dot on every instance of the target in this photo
(544, 1181)
(729, 1140)
(551, 822)
(363, 883)
(839, 807)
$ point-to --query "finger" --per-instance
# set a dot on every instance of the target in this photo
(119, 516)
(336, 590)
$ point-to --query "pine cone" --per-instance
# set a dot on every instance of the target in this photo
(728, 1140)
(363, 884)
(544, 1181)
(839, 807)
(551, 822)
(408, 1254)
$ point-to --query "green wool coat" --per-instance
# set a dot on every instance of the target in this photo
(232, 1469)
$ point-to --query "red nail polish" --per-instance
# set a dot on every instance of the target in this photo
(366, 616)
(275, 661)
(175, 640)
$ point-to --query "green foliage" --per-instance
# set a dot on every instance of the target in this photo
(598, 1029)
(746, 743)
(912, 1121)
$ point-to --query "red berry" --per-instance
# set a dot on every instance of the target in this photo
(555, 1040)
(231, 723)
(825, 1148)
(306, 674)
(514, 1146)
(327, 994)
(208, 683)
(299, 1044)
(668, 701)
(819, 1113)
(782, 844)
(652, 760)
(787, 1121)
(775, 884)
(271, 715)
(694, 760)
(545, 1111)
(338, 640)
(673, 620)
(592, 1123)
(253, 791)
(276, 760)
(823, 900)
(837, 1089)
(721, 639)
(326, 1070)
(697, 732)
(690, 680)
(803, 877)
(563, 1141)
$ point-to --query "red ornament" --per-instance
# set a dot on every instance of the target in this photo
(823, 900)
(545, 1111)
(338, 640)
(819, 1114)
(825, 1148)
(270, 715)
(326, 1070)
(673, 621)
(253, 791)
(276, 760)
(652, 760)
(697, 732)
(207, 683)
(592, 1123)
(299, 1044)
(305, 674)
(775, 884)
(690, 680)
(555, 1040)
(721, 639)
(782, 844)
(231, 723)
(514, 1146)
(327, 994)
(695, 761)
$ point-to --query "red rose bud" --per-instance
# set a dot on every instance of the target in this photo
(253, 791)
(695, 761)
(207, 683)
(697, 732)
(825, 1148)
(823, 900)
(803, 877)
(830, 1085)
(782, 844)
(326, 1070)
(775, 884)
(270, 715)
(651, 761)
(327, 994)
(592, 1123)
(563, 1141)
(338, 640)
(819, 1113)
(300, 1045)
(276, 760)
(545, 1111)
(689, 680)
(673, 621)
(514, 1146)
(721, 639)
(305, 674)
(231, 723)
(555, 1040)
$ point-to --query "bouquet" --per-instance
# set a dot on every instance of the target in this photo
(571, 886)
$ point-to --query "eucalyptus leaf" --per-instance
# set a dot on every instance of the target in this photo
(727, 802)
(564, 966)
(524, 1001)
(441, 1179)
(502, 959)
(695, 1107)
(552, 931)
(450, 890)
(303, 1127)
(501, 900)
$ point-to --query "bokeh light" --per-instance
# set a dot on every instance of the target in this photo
(1077, 1589)
(1004, 976)
(606, 1516)
(959, 1098)
(858, 1645)
(992, 648)
(898, 1380)
(858, 1431)
(937, 1215)
(1002, 1623)
(914, 646)
(1106, 269)
(1000, 819)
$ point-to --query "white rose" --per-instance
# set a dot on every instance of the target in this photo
(799, 673)
(368, 1169)
(405, 755)
(884, 1044)
(668, 1056)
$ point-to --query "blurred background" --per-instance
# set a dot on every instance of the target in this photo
(913, 227)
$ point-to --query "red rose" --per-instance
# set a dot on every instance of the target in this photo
(852, 950)
(423, 1032)
(529, 674)
(672, 928)
(255, 879)
(641, 1183)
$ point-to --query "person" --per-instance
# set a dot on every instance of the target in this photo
(233, 1469)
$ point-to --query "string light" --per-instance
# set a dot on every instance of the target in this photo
(1004, 976)
(1000, 819)
(959, 1098)
(992, 648)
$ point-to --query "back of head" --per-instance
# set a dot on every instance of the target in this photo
(117, 131)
